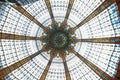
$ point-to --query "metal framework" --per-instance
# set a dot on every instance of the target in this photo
(50, 11)
(67, 74)
(111, 40)
(107, 40)
(117, 76)
(17, 37)
(5, 71)
(28, 15)
(97, 11)
(20, 9)
(118, 4)
(71, 2)
(44, 74)
(96, 69)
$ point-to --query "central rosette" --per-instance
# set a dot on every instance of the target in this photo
(57, 39)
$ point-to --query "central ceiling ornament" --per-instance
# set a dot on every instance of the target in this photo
(58, 39)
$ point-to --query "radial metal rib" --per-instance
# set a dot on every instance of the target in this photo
(118, 4)
(107, 40)
(67, 74)
(28, 15)
(68, 12)
(44, 74)
(5, 71)
(117, 76)
(97, 11)
(48, 4)
(17, 37)
(103, 75)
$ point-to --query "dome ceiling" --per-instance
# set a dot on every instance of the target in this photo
(90, 27)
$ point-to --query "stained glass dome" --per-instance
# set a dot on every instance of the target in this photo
(59, 39)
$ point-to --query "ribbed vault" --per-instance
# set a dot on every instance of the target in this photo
(94, 54)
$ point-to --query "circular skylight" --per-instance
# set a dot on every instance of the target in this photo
(87, 35)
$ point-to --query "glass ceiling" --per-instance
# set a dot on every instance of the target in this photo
(105, 56)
